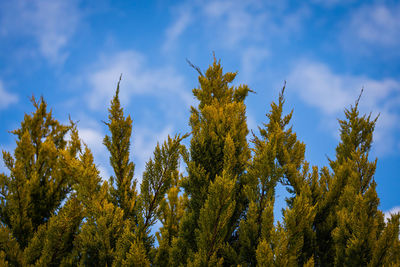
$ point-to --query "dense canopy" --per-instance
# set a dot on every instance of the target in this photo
(56, 210)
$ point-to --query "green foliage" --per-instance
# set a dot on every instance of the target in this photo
(53, 242)
(123, 192)
(38, 180)
(214, 221)
(56, 210)
(218, 144)
(171, 211)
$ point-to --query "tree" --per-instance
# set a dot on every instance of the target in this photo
(103, 222)
(38, 181)
(171, 210)
(122, 184)
(359, 222)
(219, 118)
(161, 171)
(278, 157)
(56, 210)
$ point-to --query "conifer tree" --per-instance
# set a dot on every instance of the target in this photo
(127, 248)
(158, 178)
(103, 222)
(53, 243)
(220, 115)
(348, 224)
(38, 180)
(278, 157)
(214, 222)
(171, 211)
(122, 184)
(130, 250)
(55, 209)
(359, 222)
(263, 174)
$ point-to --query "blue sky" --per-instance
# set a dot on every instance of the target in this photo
(72, 53)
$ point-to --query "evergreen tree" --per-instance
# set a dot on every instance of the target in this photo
(53, 243)
(171, 211)
(278, 157)
(103, 222)
(213, 223)
(55, 209)
(122, 184)
(220, 115)
(158, 178)
(359, 222)
(348, 224)
(38, 181)
(263, 174)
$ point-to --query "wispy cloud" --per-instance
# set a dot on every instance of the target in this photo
(372, 30)
(389, 213)
(332, 3)
(138, 79)
(175, 30)
(6, 98)
(144, 141)
(50, 23)
(377, 24)
(319, 87)
(252, 62)
(233, 22)
(93, 138)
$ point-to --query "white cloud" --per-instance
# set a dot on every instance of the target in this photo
(319, 87)
(137, 79)
(376, 24)
(50, 23)
(162, 84)
(252, 61)
(144, 142)
(233, 19)
(393, 210)
(230, 23)
(176, 29)
(252, 124)
(333, 3)
(93, 138)
(6, 98)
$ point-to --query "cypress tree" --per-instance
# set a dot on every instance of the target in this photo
(160, 173)
(279, 157)
(359, 222)
(171, 210)
(219, 116)
(53, 243)
(38, 181)
(103, 222)
(56, 210)
(214, 222)
(263, 174)
(122, 184)
(350, 230)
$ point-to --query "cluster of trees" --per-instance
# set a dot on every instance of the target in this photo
(56, 210)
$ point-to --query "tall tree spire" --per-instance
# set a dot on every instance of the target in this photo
(122, 183)
(219, 119)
